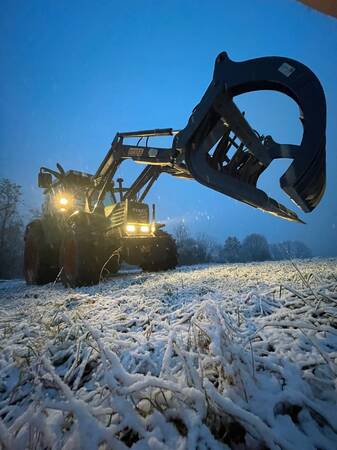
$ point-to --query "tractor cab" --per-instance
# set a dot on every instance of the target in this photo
(65, 192)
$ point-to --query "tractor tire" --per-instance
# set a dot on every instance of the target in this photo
(81, 260)
(156, 263)
(40, 260)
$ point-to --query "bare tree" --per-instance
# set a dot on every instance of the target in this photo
(207, 248)
(11, 229)
(180, 232)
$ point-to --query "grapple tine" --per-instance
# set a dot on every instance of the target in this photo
(216, 116)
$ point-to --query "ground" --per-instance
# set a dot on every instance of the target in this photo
(206, 357)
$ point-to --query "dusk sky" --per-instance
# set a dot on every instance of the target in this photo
(73, 73)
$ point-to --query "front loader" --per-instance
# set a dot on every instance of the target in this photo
(91, 223)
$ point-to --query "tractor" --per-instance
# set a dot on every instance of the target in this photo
(90, 224)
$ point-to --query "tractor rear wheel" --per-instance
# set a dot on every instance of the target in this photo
(40, 259)
(82, 259)
(163, 256)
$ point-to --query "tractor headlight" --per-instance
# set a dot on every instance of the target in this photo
(130, 228)
(144, 228)
(64, 201)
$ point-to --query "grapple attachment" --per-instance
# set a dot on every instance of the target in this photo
(216, 126)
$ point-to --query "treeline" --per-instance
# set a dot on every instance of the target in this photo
(254, 247)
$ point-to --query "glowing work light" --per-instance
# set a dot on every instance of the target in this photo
(137, 228)
(130, 228)
(64, 201)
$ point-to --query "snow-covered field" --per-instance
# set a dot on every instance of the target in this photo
(221, 356)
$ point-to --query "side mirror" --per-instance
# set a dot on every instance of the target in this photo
(44, 180)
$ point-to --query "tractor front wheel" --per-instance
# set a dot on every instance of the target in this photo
(163, 255)
(81, 259)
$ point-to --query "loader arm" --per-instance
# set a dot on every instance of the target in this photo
(216, 126)
(157, 160)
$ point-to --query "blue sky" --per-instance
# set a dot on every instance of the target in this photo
(73, 73)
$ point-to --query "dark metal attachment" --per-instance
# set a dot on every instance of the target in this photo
(216, 124)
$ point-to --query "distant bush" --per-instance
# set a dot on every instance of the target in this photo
(201, 249)
(232, 250)
(290, 249)
(255, 248)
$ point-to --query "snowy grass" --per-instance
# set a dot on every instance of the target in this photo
(208, 357)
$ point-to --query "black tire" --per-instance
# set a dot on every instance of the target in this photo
(81, 259)
(40, 260)
(156, 261)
